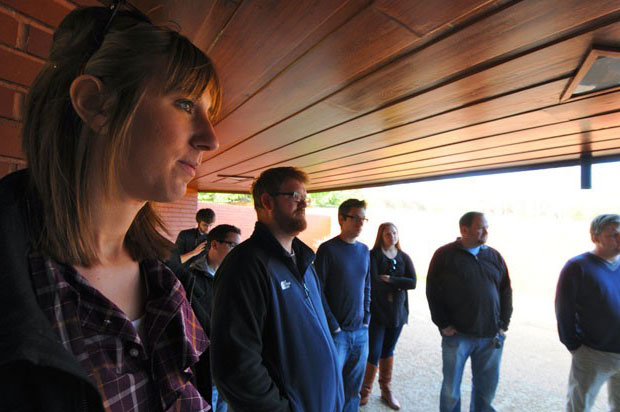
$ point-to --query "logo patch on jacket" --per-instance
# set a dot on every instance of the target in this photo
(285, 284)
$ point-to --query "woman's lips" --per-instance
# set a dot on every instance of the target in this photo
(189, 168)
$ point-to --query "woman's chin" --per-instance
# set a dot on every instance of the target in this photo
(171, 194)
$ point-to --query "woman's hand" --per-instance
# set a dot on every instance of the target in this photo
(385, 278)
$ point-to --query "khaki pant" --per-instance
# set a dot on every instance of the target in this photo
(590, 369)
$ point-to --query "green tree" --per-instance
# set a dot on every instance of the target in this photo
(319, 199)
(228, 198)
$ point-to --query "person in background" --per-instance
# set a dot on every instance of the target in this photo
(587, 307)
(271, 349)
(470, 299)
(91, 317)
(343, 266)
(391, 275)
(191, 243)
(198, 284)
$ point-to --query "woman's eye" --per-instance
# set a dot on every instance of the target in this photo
(186, 105)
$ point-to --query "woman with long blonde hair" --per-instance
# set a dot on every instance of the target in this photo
(92, 319)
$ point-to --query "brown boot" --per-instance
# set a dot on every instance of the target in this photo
(369, 378)
(385, 381)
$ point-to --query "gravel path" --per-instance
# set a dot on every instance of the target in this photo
(534, 371)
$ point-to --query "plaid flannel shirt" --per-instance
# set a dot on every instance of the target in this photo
(131, 374)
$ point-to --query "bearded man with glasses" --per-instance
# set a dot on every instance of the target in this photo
(343, 265)
(271, 347)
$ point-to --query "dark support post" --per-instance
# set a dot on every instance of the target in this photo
(586, 171)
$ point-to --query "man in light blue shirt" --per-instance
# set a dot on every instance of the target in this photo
(587, 307)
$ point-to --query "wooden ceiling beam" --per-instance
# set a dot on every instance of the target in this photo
(446, 145)
(481, 149)
(542, 157)
(553, 62)
(527, 24)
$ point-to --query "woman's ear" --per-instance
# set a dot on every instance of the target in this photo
(88, 99)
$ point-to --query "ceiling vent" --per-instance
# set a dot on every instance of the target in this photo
(600, 71)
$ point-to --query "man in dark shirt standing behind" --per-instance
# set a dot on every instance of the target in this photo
(343, 266)
(190, 243)
(587, 306)
(470, 299)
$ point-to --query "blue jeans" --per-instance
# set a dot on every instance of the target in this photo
(351, 352)
(382, 342)
(485, 360)
(218, 404)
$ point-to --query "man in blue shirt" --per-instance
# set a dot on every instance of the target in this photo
(587, 307)
(343, 267)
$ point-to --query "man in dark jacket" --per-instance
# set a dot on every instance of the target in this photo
(271, 348)
(470, 299)
(198, 284)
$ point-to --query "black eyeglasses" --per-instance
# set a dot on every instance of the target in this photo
(229, 243)
(358, 219)
(129, 10)
(296, 196)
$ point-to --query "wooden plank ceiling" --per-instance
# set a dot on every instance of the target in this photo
(360, 93)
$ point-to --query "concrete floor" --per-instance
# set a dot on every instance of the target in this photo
(534, 371)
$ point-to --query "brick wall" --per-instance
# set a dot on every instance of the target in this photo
(26, 28)
(243, 217)
(179, 215)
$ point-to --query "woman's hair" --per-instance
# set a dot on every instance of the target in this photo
(379, 240)
(126, 53)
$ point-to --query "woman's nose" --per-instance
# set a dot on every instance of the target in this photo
(204, 137)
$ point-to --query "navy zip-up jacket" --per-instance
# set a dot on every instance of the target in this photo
(471, 293)
(271, 349)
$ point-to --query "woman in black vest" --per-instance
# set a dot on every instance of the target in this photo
(392, 274)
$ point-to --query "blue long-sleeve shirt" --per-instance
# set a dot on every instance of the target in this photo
(587, 304)
(344, 271)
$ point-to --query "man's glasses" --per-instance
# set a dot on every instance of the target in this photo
(229, 243)
(357, 219)
(296, 196)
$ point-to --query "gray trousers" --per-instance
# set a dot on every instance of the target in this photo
(590, 369)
